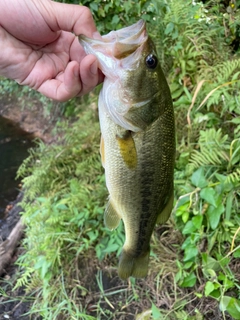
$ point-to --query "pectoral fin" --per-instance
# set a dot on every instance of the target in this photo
(111, 217)
(165, 213)
(128, 149)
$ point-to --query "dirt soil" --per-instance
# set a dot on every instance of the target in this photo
(12, 303)
(29, 115)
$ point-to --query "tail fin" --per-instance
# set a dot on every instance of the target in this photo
(133, 266)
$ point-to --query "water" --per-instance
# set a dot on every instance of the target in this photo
(14, 145)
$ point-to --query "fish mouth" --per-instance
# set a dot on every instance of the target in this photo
(126, 40)
(110, 49)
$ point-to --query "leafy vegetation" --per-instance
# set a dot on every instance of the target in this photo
(194, 269)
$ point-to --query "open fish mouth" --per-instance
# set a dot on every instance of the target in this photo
(116, 45)
(127, 40)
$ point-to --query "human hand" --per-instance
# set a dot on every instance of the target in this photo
(39, 49)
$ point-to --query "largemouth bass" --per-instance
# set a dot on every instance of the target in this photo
(138, 140)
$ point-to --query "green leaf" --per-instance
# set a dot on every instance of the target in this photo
(234, 308)
(186, 243)
(94, 6)
(224, 303)
(176, 94)
(42, 199)
(43, 265)
(209, 287)
(236, 254)
(229, 204)
(189, 280)
(62, 206)
(209, 195)
(214, 215)
(92, 235)
(181, 209)
(235, 158)
(198, 179)
(236, 120)
(111, 248)
(156, 314)
(223, 261)
(220, 177)
(185, 216)
(169, 28)
(127, 6)
(216, 294)
(197, 221)
(190, 252)
(230, 305)
(101, 13)
(228, 284)
(115, 19)
(210, 265)
(178, 276)
(189, 228)
(187, 265)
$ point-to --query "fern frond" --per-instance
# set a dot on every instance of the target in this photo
(234, 177)
(226, 71)
(214, 149)
(222, 86)
(237, 128)
(24, 280)
(34, 284)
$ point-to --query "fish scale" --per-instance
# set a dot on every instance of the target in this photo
(138, 140)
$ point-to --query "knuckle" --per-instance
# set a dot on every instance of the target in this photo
(86, 12)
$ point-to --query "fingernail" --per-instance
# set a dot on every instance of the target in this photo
(94, 68)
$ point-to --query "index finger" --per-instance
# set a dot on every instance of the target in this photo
(72, 18)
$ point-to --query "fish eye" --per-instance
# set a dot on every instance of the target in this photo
(151, 61)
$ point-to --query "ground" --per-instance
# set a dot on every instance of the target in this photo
(10, 306)
(32, 120)
(29, 114)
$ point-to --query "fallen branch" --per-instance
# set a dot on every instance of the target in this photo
(8, 246)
